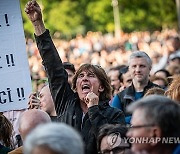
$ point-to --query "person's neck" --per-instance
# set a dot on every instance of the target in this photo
(53, 113)
(84, 107)
(139, 86)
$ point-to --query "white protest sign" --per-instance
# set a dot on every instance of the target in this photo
(15, 82)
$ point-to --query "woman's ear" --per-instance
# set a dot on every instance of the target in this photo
(101, 88)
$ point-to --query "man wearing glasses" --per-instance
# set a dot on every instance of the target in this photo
(155, 126)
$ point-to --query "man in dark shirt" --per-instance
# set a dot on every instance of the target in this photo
(139, 67)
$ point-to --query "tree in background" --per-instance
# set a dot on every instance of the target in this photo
(66, 18)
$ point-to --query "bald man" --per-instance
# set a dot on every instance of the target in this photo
(28, 121)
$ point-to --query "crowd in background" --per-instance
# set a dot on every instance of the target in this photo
(106, 103)
(108, 52)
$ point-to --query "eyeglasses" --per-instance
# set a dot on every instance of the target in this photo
(140, 126)
(116, 150)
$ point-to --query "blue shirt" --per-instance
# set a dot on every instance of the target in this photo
(117, 104)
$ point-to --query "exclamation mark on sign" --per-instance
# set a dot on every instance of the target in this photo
(0, 58)
(7, 58)
(20, 92)
(12, 60)
(6, 18)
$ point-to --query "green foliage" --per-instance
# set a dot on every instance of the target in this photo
(65, 18)
(69, 17)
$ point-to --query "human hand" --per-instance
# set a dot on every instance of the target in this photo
(33, 11)
(91, 99)
(34, 102)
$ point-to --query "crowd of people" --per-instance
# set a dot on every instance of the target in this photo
(96, 94)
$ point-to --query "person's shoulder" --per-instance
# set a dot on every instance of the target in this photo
(123, 92)
(4, 150)
(151, 85)
(109, 109)
(18, 150)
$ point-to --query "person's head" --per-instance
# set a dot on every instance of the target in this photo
(174, 69)
(6, 129)
(154, 90)
(111, 139)
(126, 78)
(70, 69)
(115, 78)
(173, 44)
(174, 59)
(160, 81)
(173, 90)
(154, 117)
(91, 78)
(140, 66)
(162, 73)
(46, 101)
(53, 138)
(30, 119)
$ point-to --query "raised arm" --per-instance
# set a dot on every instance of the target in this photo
(57, 76)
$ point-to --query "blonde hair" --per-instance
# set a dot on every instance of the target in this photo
(173, 91)
(155, 90)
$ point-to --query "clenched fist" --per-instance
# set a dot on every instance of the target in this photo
(91, 99)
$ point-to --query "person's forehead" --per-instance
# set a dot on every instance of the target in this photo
(115, 74)
(127, 75)
(85, 71)
(138, 60)
(45, 89)
(137, 117)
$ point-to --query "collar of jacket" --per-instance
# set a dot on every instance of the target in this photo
(130, 91)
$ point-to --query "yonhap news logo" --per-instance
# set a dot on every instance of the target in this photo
(148, 140)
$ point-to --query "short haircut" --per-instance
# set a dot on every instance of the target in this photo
(164, 71)
(31, 119)
(160, 111)
(118, 68)
(101, 75)
(140, 54)
(58, 137)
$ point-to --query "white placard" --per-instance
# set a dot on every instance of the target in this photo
(15, 81)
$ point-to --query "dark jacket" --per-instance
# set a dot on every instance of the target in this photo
(127, 96)
(67, 103)
(4, 150)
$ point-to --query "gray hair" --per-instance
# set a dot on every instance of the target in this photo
(140, 54)
(58, 137)
(160, 111)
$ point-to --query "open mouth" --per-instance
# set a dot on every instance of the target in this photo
(85, 88)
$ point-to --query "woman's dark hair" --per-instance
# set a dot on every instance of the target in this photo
(6, 129)
(101, 75)
(109, 129)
